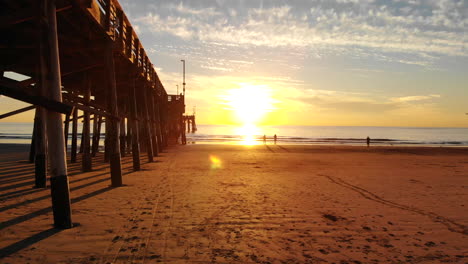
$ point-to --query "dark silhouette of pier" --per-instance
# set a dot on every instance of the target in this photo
(84, 62)
(190, 121)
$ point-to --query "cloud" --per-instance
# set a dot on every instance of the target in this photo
(217, 68)
(426, 29)
(351, 102)
(344, 105)
(185, 10)
(416, 98)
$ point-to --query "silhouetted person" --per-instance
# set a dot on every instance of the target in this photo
(275, 138)
(264, 139)
(368, 141)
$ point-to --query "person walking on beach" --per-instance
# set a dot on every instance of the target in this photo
(368, 141)
(275, 138)
(264, 139)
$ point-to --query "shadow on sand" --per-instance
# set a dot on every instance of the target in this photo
(17, 180)
(15, 247)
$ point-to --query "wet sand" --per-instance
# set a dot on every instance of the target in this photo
(260, 204)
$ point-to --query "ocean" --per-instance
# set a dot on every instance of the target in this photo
(20, 133)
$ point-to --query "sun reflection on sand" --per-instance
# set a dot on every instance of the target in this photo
(248, 133)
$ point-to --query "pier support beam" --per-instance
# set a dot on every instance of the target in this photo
(152, 114)
(66, 130)
(183, 138)
(39, 130)
(113, 123)
(135, 132)
(122, 137)
(93, 140)
(96, 134)
(82, 139)
(32, 147)
(164, 124)
(129, 125)
(40, 148)
(157, 130)
(141, 126)
(158, 124)
(74, 141)
(50, 78)
(86, 161)
(106, 141)
(147, 125)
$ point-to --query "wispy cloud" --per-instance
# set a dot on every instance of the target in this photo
(426, 29)
(416, 98)
(357, 102)
(184, 9)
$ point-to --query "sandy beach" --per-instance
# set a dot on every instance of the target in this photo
(239, 204)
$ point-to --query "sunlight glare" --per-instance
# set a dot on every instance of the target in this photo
(215, 162)
(249, 102)
(248, 133)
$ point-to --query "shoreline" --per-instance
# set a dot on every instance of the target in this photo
(302, 135)
(330, 144)
(429, 146)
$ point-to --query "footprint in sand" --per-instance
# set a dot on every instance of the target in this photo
(430, 244)
(323, 251)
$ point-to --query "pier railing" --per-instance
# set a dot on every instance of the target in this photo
(111, 17)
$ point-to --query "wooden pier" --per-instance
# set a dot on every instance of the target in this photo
(85, 63)
(190, 123)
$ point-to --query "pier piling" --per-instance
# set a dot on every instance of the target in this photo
(40, 149)
(74, 141)
(86, 154)
(135, 130)
(138, 113)
(59, 185)
(114, 127)
(148, 135)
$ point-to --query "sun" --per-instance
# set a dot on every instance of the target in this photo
(250, 103)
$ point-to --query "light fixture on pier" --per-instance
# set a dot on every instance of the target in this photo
(183, 62)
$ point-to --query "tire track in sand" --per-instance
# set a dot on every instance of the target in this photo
(131, 240)
(450, 224)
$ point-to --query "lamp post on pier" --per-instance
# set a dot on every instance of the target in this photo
(183, 62)
(184, 140)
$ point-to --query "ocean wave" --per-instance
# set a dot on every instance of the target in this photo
(6, 136)
(332, 136)
(311, 141)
